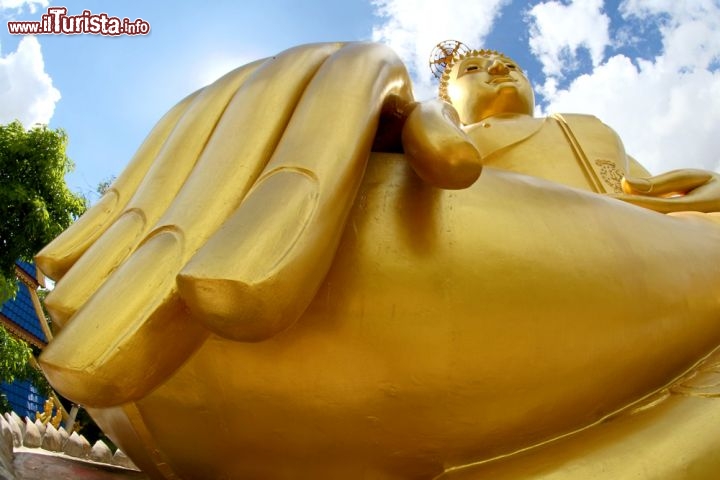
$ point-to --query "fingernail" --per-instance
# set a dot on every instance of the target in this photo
(226, 283)
(56, 258)
(91, 270)
(121, 329)
(641, 185)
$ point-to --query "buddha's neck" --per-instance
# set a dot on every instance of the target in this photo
(500, 131)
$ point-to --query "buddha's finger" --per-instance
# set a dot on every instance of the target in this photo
(257, 274)
(242, 143)
(438, 149)
(134, 332)
(705, 198)
(60, 254)
(156, 191)
(674, 182)
(127, 319)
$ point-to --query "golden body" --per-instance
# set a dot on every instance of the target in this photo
(344, 322)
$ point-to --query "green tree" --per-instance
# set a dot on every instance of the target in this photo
(35, 203)
(14, 357)
(16, 364)
(104, 185)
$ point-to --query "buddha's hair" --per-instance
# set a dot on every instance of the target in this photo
(443, 88)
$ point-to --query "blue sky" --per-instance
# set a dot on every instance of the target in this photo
(648, 68)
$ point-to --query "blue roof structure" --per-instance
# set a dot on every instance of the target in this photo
(21, 311)
(27, 267)
(23, 397)
(19, 314)
(20, 317)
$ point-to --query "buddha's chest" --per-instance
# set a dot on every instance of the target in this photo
(574, 150)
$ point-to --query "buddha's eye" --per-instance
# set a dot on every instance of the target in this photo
(471, 68)
(511, 66)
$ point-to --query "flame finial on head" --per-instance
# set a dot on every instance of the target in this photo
(444, 53)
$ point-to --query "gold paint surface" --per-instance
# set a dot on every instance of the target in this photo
(483, 305)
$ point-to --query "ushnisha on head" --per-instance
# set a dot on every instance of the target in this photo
(484, 83)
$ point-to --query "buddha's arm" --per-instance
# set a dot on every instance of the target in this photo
(438, 149)
(684, 190)
(635, 169)
(674, 191)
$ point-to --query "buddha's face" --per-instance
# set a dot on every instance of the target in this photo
(487, 85)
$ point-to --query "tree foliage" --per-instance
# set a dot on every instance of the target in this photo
(15, 364)
(14, 357)
(104, 185)
(35, 203)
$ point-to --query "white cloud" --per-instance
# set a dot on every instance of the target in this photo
(414, 27)
(665, 109)
(558, 31)
(18, 5)
(689, 29)
(26, 90)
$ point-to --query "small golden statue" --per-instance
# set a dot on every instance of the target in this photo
(47, 414)
(323, 278)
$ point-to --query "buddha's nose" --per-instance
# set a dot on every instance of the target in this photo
(498, 68)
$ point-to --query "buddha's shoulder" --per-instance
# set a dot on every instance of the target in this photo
(580, 121)
(521, 127)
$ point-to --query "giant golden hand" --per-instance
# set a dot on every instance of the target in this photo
(439, 331)
(235, 197)
(675, 191)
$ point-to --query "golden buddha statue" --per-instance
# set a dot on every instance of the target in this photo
(275, 289)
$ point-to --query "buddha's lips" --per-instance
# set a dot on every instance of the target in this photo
(501, 79)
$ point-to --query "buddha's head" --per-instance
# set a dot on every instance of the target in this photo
(483, 83)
